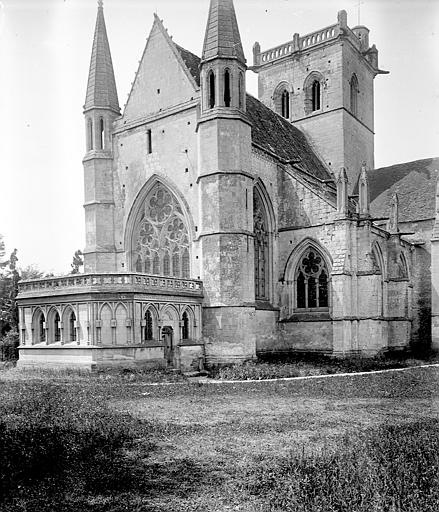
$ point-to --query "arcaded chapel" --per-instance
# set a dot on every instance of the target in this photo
(221, 227)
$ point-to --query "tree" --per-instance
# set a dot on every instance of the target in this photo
(8, 294)
(77, 262)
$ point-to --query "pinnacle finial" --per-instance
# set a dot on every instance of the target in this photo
(100, 4)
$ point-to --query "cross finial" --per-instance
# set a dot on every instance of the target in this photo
(100, 4)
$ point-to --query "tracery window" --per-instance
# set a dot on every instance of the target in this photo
(161, 236)
(149, 333)
(311, 281)
(261, 241)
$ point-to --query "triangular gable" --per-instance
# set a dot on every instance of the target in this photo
(162, 80)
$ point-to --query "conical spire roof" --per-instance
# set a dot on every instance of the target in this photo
(222, 37)
(101, 87)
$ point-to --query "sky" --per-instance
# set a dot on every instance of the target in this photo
(45, 48)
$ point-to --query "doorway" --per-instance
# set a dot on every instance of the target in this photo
(168, 341)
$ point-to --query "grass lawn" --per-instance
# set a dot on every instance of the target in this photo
(356, 443)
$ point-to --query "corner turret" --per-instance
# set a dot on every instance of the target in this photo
(223, 63)
(101, 103)
(100, 110)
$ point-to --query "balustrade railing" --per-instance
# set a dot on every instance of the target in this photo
(300, 43)
(122, 281)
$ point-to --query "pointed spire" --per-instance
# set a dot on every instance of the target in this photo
(101, 87)
(222, 37)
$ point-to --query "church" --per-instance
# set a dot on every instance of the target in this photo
(221, 227)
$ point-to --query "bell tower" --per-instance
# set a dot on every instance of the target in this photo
(226, 191)
(323, 82)
(101, 108)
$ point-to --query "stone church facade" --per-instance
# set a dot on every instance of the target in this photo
(220, 227)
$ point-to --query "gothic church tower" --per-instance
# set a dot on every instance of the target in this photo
(100, 110)
(323, 83)
(226, 191)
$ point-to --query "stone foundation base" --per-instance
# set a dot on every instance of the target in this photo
(94, 357)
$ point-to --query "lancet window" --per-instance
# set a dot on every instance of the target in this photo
(261, 244)
(211, 89)
(354, 94)
(56, 329)
(185, 327)
(72, 329)
(227, 93)
(161, 240)
(40, 328)
(285, 111)
(149, 331)
(315, 95)
(312, 281)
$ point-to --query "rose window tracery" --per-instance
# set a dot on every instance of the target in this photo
(161, 241)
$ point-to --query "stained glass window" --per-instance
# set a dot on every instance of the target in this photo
(311, 281)
(159, 233)
(260, 227)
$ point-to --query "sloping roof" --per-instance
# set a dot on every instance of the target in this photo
(101, 86)
(270, 131)
(192, 62)
(415, 184)
(277, 135)
(222, 37)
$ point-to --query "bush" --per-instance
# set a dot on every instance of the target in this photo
(55, 440)
(9, 346)
(392, 468)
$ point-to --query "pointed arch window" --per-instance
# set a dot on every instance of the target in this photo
(211, 79)
(261, 247)
(241, 91)
(160, 242)
(56, 328)
(89, 135)
(227, 93)
(40, 328)
(315, 91)
(354, 94)
(312, 282)
(72, 328)
(149, 326)
(101, 133)
(285, 109)
(185, 327)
